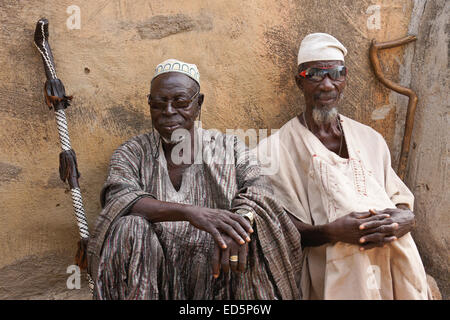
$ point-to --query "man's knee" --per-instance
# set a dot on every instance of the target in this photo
(130, 226)
(131, 219)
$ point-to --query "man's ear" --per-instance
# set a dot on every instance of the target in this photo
(201, 98)
(298, 81)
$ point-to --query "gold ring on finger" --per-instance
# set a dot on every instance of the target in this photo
(234, 258)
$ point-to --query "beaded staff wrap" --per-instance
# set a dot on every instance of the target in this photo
(56, 99)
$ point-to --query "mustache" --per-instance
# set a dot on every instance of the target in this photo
(168, 123)
(326, 96)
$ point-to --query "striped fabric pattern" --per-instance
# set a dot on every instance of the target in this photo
(130, 258)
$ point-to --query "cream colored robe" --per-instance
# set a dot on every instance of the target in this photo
(317, 187)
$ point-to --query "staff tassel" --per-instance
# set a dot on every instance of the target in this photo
(55, 97)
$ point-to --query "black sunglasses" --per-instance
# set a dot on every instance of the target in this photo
(318, 74)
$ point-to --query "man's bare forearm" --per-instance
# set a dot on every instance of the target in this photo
(312, 236)
(159, 211)
(214, 221)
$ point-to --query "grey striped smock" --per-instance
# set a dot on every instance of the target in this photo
(131, 258)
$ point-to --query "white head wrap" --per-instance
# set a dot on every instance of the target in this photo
(320, 46)
(173, 65)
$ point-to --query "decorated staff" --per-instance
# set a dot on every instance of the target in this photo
(56, 98)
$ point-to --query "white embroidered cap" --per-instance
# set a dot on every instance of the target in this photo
(320, 46)
(173, 65)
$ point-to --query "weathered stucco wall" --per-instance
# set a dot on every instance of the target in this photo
(428, 170)
(246, 54)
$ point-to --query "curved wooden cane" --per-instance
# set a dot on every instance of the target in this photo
(412, 102)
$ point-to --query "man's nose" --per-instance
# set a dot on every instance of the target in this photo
(169, 109)
(326, 84)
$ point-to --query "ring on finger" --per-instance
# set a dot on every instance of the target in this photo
(234, 258)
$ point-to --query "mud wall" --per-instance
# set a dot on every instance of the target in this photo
(428, 169)
(246, 54)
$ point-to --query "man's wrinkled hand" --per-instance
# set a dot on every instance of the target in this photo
(221, 223)
(348, 228)
(379, 233)
(221, 257)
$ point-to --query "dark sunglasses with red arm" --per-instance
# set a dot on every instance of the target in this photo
(318, 74)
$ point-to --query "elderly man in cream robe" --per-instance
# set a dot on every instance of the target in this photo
(333, 176)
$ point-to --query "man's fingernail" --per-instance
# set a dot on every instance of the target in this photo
(362, 240)
(251, 230)
(215, 276)
(361, 227)
(241, 241)
(248, 239)
(361, 249)
(395, 238)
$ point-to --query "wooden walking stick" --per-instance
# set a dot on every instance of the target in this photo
(55, 97)
(412, 102)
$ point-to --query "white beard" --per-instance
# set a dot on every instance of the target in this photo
(323, 116)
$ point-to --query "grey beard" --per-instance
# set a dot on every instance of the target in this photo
(323, 116)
